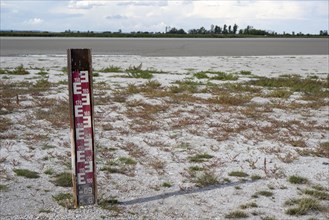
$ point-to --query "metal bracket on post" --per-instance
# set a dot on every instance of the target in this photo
(82, 127)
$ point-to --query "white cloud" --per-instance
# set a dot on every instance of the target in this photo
(154, 15)
(247, 10)
(84, 4)
(34, 21)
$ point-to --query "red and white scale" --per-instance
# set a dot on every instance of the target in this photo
(82, 132)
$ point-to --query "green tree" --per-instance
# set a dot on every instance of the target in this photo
(235, 28)
(225, 29)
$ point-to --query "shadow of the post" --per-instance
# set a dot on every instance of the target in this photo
(183, 192)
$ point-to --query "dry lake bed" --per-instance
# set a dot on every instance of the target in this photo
(184, 137)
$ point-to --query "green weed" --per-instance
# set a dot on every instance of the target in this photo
(19, 70)
(237, 214)
(112, 69)
(238, 174)
(65, 200)
(26, 173)
(303, 206)
(207, 178)
(297, 180)
(3, 188)
(199, 158)
(63, 180)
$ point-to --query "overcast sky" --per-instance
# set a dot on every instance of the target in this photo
(307, 16)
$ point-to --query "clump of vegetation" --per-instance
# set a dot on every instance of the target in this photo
(237, 214)
(215, 75)
(112, 69)
(95, 74)
(295, 83)
(122, 165)
(42, 84)
(322, 195)
(63, 180)
(166, 184)
(26, 173)
(199, 158)
(245, 72)
(303, 206)
(45, 211)
(238, 174)
(111, 204)
(263, 193)
(5, 124)
(19, 70)
(188, 86)
(139, 73)
(280, 93)
(297, 180)
(3, 188)
(42, 72)
(249, 205)
(255, 177)
(49, 171)
(207, 178)
(65, 200)
(230, 99)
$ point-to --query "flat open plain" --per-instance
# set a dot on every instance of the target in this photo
(14, 46)
(186, 137)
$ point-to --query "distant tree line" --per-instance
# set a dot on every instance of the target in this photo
(215, 31)
(233, 30)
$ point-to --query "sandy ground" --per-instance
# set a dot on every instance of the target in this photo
(268, 138)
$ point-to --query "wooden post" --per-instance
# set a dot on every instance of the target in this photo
(82, 127)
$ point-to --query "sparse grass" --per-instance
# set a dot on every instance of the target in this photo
(26, 173)
(143, 74)
(57, 115)
(42, 72)
(238, 174)
(49, 171)
(199, 158)
(317, 194)
(207, 178)
(111, 205)
(297, 180)
(3, 188)
(65, 200)
(47, 146)
(112, 69)
(268, 218)
(187, 86)
(245, 72)
(127, 161)
(255, 177)
(42, 84)
(230, 99)
(122, 165)
(195, 168)
(45, 211)
(166, 184)
(215, 75)
(5, 124)
(280, 93)
(95, 74)
(63, 180)
(19, 70)
(264, 193)
(296, 84)
(249, 205)
(237, 214)
(303, 206)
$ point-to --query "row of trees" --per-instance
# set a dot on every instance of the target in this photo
(232, 30)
